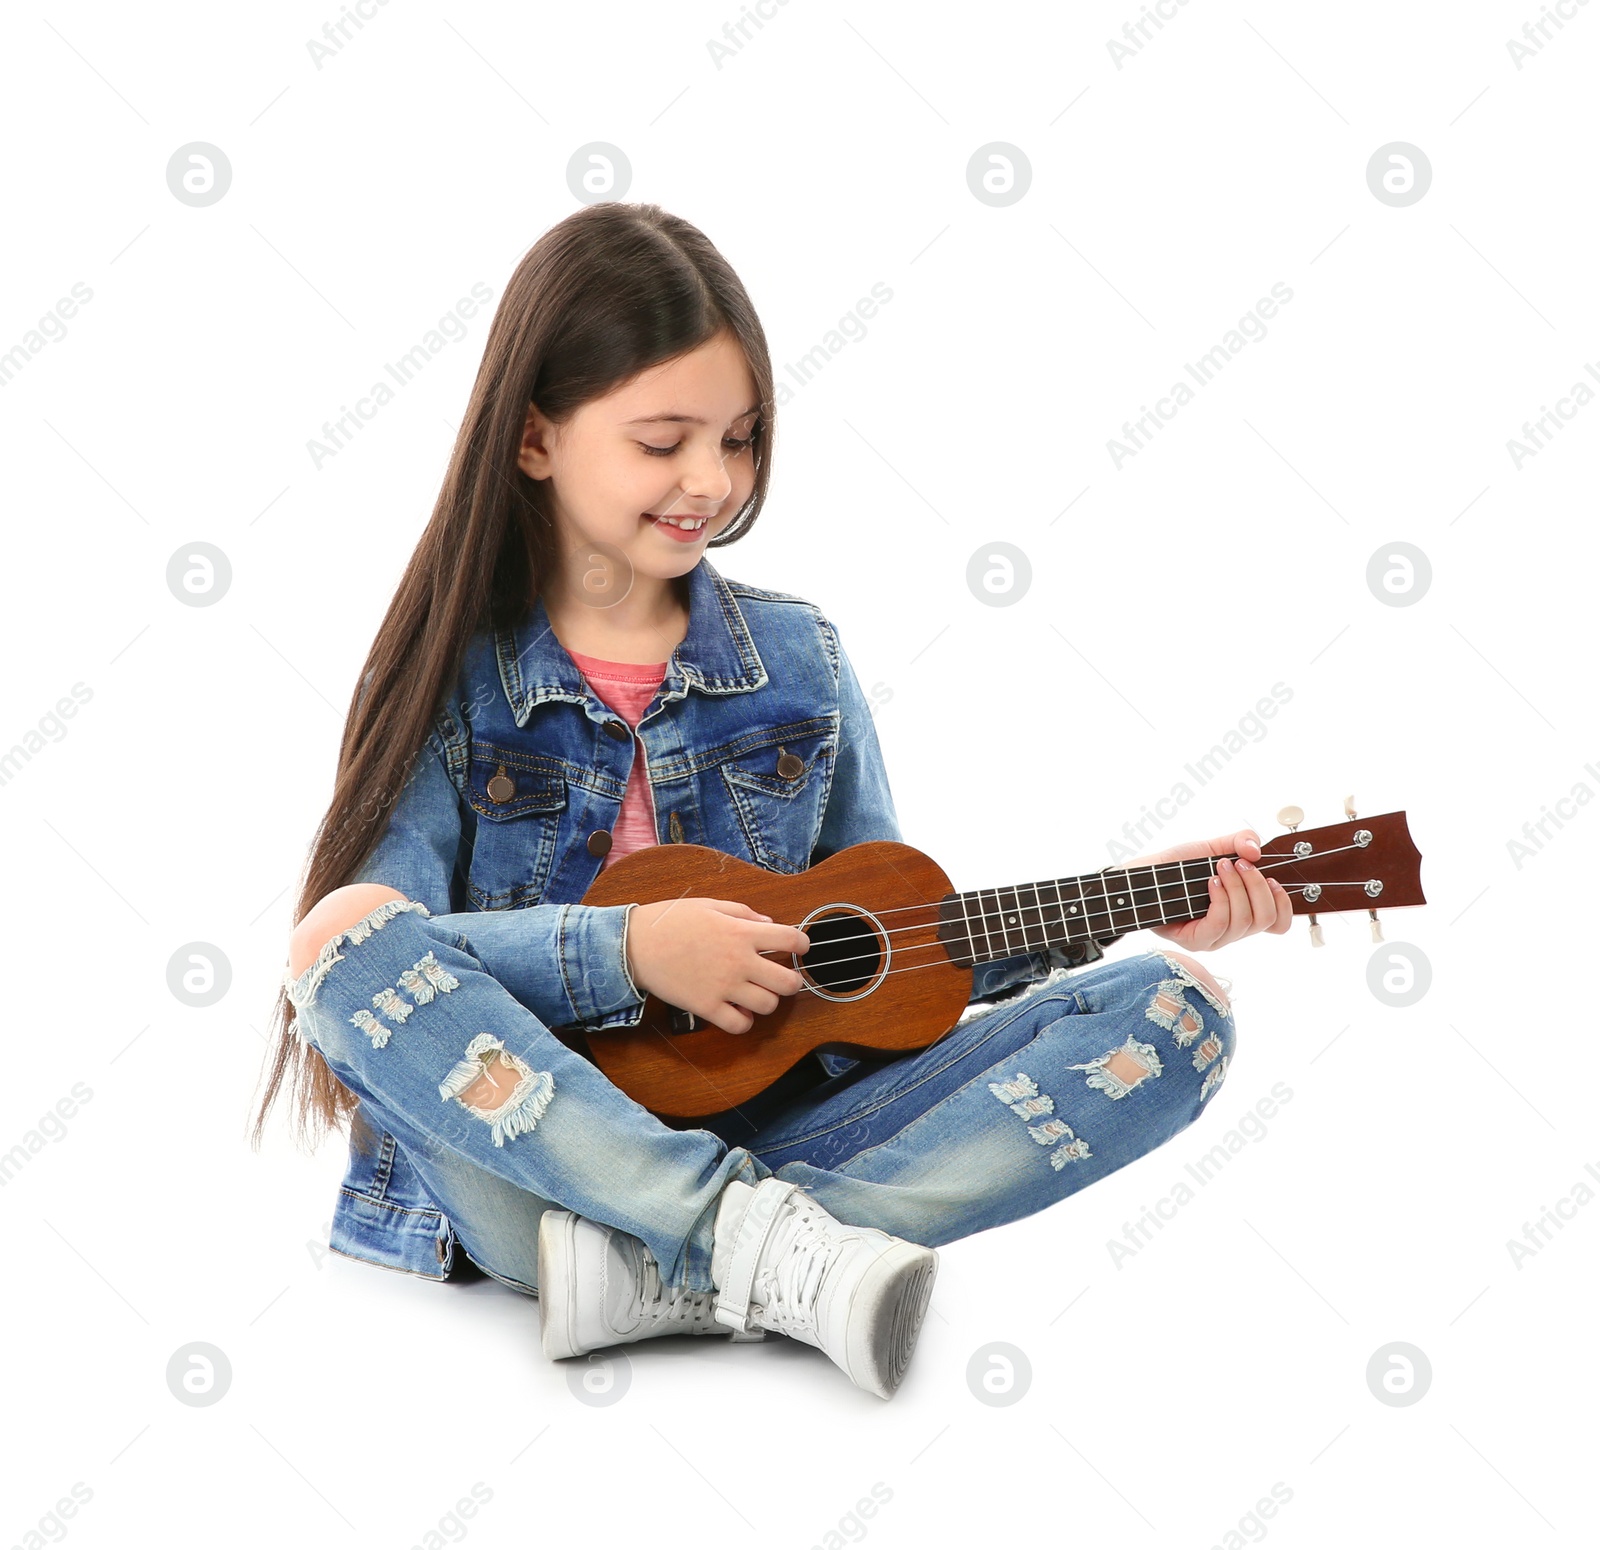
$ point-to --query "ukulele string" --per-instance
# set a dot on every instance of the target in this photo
(1137, 888)
(933, 964)
(985, 915)
(909, 947)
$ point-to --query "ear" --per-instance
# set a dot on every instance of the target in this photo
(533, 456)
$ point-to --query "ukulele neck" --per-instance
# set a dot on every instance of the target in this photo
(990, 923)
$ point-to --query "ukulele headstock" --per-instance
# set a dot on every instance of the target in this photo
(1360, 864)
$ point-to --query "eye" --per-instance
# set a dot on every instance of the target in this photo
(733, 444)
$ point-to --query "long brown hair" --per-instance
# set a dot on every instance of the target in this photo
(604, 294)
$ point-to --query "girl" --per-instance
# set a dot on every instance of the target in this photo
(562, 677)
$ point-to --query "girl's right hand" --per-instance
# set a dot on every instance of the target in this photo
(705, 956)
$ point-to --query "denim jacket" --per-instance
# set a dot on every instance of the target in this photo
(759, 743)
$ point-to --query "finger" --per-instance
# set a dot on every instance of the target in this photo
(1247, 843)
(1259, 910)
(736, 907)
(1285, 905)
(757, 998)
(778, 944)
(1238, 901)
(1190, 935)
(777, 976)
(1218, 918)
(731, 1019)
(1263, 910)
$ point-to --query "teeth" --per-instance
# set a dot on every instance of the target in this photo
(687, 523)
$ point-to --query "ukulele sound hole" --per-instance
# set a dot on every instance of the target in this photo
(846, 953)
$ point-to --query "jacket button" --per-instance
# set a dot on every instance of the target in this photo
(502, 788)
(599, 842)
(790, 766)
(617, 730)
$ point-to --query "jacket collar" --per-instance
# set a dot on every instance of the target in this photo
(717, 656)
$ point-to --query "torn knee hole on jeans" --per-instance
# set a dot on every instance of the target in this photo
(499, 1088)
(1215, 995)
(391, 1005)
(1169, 1009)
(1021, 1095)
(300, 989)
(1119, 1071)
(426, 979)
(1072, 1147)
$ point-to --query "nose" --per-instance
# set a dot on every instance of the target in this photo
(706, 483)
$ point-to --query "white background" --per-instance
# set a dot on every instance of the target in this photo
(1167, 1396)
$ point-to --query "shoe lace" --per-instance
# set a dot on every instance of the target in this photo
(658, 1302)
(801, 1253)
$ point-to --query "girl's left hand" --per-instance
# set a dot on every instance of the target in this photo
(1244, 899)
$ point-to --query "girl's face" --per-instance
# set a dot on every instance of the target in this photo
(674, 441)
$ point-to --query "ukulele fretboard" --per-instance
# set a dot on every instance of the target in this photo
(990, 923)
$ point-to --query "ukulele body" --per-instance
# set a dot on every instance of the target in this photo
(878, 979)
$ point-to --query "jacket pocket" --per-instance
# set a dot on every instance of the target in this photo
(519, 799)
(776, 786)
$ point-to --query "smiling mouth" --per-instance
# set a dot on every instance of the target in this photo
(686, 524)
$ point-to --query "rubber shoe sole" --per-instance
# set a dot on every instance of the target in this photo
(885, 1316)
(558, 1309)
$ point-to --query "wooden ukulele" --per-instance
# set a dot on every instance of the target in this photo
(893, 946)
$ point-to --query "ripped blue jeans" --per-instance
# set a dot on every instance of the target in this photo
(1021, 1104)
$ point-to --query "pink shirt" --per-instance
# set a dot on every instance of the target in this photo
(628, 688)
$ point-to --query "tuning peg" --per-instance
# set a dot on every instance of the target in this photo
(1316, 932)
(1377, 928)
(1291, 817)
(1349, 807)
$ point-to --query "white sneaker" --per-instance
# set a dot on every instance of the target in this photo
(601, 1287)
(782, 1263)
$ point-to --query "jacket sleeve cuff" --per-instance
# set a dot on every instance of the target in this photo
(594, 960)
(567, 963)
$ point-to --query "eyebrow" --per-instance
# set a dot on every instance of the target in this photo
(687, 419)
